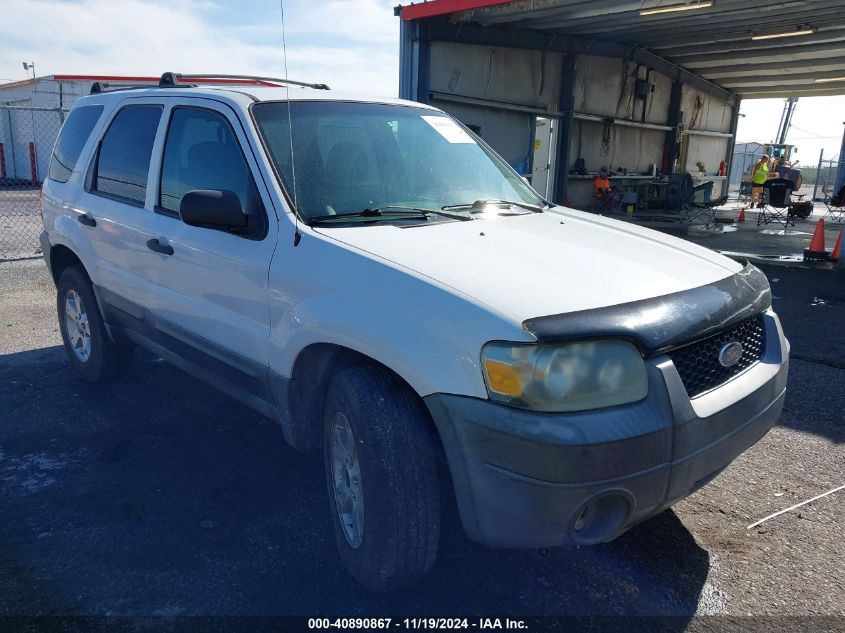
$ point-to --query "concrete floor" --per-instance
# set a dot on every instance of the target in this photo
(764, 242)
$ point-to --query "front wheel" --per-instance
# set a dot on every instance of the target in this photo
(381, 468)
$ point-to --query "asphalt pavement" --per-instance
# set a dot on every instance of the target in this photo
(157, 496)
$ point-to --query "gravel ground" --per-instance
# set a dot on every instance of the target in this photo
(156, 495)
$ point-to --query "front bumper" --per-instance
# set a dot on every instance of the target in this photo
(526, 479)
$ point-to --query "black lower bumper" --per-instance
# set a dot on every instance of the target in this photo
(525, 479)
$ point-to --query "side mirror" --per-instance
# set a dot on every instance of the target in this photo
(214, 209)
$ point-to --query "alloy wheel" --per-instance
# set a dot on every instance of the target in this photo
(77, 326)
(346, 480)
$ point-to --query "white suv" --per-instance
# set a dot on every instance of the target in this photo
(371, 275)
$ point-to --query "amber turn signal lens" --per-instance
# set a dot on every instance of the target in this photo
(503, 378)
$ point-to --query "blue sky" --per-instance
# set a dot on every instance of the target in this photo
(349, 44)
(352, 45)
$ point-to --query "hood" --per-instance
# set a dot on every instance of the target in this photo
(539, 264)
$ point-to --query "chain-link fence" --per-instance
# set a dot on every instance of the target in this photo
(830, 177)
(27, 135)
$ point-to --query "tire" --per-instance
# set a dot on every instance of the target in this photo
(394, 458)
(101, 360)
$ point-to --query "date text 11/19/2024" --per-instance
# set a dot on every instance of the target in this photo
(417, 623)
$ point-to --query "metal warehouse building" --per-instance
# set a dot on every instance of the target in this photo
(561, 88)
(31, 114)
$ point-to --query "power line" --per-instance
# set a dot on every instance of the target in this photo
(812, 133)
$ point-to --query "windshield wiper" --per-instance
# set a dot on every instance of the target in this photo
(386, 212)
(481, 205)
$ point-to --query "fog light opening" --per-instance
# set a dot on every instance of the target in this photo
(599, 519)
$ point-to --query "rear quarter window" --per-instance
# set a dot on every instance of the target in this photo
(75, 132)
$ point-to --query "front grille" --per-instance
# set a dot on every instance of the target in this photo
(698, 363)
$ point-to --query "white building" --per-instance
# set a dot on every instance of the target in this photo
(31, 114)
(745, 155)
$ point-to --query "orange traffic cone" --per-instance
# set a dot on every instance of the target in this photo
(838, 247)
(816, 252)
(741, 215)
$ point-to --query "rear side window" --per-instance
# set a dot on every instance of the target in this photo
(202, 152)
(75, 131)
(123, 162)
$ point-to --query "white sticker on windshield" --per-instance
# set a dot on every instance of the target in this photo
(448, 129)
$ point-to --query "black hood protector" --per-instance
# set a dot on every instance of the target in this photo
(661, 323)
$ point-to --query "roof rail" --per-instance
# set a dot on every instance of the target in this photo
(103, 86)
(99, 87)
(175, 80)
(170, 80)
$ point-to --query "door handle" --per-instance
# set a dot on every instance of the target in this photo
(158, 247)
(86, 219)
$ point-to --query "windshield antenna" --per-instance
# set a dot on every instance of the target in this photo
(297, 236)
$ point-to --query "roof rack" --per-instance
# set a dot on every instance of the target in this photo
(99, 87)
(171, 80)
(189, 80)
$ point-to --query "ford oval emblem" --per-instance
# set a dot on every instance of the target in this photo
(730, 354)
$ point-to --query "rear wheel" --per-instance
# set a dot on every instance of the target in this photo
(380, 462)
(88, 345)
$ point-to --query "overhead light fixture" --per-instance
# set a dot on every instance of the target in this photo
(828, 80)
(807, 30)
(671, 8)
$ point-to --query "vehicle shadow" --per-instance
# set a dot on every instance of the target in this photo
(156, 495)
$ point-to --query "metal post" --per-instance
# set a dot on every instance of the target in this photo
(673, 121)
(729, 156)
(423, 63)
(405, 51)
(11, 142)
(532, 134)
(818, 174)
(840, 173)
(564, 137)
(415, 53)
(32, 164)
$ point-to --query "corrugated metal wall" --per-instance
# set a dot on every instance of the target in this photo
(604, 87)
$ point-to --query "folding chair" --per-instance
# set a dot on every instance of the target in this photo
(835, 206)
(777, 203)
(704, 213)
(744, 196)
(699, 208)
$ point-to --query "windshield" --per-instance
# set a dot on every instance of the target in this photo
(354, 156)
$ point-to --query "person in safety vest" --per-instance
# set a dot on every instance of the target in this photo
(602, 192)
(759, 175)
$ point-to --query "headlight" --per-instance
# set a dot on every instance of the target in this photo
(564, 376)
